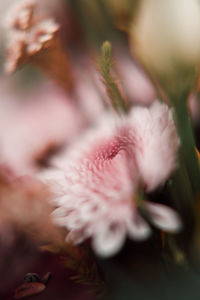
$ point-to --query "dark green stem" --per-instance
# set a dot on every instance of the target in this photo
(185, 184)
(188, 156)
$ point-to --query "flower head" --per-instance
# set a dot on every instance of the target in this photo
(96, 183)
(95, 193)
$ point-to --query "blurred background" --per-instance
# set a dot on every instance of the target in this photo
(51, 91)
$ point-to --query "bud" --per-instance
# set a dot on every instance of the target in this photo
(165, 35)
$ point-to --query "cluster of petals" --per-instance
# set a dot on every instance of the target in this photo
(96, 182)
(25, 35)
(153, 133)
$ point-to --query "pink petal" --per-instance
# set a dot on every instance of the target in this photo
(155, 143)
(75, 237)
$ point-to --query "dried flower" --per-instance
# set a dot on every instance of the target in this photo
(20, 15)
(96, 183)
(33, 40)
(28, 289)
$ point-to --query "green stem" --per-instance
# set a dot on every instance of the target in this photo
(113, 91)
(188, 155)
(185, 184)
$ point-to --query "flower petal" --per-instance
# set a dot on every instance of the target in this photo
(156, 143)
(109, 240)
(75, 237)
(163, 217)
(138, 229)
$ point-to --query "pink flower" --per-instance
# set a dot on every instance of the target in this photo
(33, 124)
(87, 92)
(96, 183)
(135, 82)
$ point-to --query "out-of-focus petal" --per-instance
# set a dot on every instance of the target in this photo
(163, 217)
(155, 143)
(136, 83)
(109, 240)
(138, 229)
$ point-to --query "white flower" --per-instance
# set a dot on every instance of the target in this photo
(166, 33)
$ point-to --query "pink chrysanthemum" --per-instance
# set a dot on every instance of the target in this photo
(95, 185)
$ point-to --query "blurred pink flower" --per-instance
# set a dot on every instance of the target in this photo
(33, 124)
(135, 82)
(194, 108)
(87, 92)
(96, 183)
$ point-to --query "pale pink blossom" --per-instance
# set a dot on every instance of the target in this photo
(134, 81)
(94, 193)
(34, 123)
(86, 91)
(95, 185)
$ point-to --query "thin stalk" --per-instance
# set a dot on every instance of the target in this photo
(187, 150)
(185, 184)
(112, 88)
